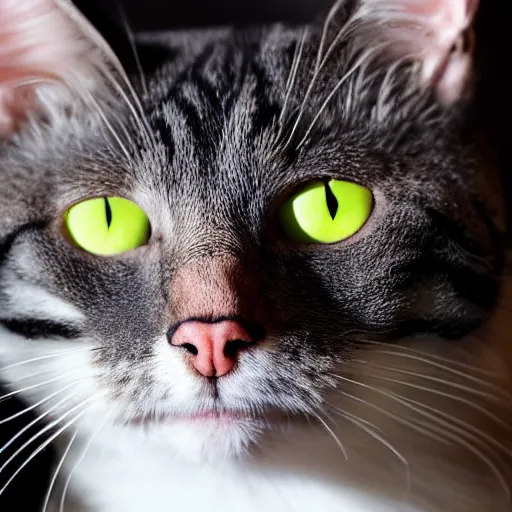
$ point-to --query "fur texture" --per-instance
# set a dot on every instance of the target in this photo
(381, 383)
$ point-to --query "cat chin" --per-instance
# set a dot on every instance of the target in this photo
(203, 441)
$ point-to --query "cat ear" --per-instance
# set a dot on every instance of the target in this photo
(47, 51)
(438, 32)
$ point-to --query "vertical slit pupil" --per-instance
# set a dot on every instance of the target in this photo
(332, 202)
(108, 212)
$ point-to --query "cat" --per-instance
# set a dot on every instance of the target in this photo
(222, 353)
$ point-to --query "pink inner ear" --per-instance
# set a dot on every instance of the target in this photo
(14, 105)
(429, 30)
(442, 20)
(458, 9)
(446, 18)
(37, 45)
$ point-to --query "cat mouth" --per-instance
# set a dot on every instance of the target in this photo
(212, 417)
(220, 417)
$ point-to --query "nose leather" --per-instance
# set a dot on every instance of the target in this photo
(214, 347)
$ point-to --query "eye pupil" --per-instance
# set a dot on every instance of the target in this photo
(108, 212)
(332, 202)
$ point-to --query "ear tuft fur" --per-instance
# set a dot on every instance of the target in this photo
(42, 44)
(438, 32)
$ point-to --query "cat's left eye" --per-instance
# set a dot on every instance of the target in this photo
(326, 212)
(107, 226)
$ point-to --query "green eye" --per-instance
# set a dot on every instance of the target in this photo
(326, 212)
(107, 226)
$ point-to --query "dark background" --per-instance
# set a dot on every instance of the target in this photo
(163, 14)
(494, 32)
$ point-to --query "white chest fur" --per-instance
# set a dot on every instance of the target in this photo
(134, 475)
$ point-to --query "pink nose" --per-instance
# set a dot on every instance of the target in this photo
(215, 347)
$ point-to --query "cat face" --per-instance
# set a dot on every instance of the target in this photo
(222, 327)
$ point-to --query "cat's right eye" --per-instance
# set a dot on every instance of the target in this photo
(107, 226)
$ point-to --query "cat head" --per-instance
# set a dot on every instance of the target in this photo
(208, 252)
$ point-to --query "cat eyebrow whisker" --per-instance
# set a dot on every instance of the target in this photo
(366, 56)
(138, 112)
(131, 37)
(342, 32)
(291, 83)
(332, 13)
(109, 126)
(96, 38)
(385, 88)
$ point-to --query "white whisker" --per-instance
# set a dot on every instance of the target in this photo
(291, 83)
(385, 88)
(41, 448)
(36, 420)
(48, 356)
(366, 55)
(334, 10)
(97, 40)
(406, 422)
(32, 407)
(453, 433)
(333, 435)
(57, 470)
(133, 45)
(466, 426)
(312, 83)
(423, 356)
(79, 461)
(30, 376)
(459, 399)
(367, 423)
(48, 427)
(34, 386)
(372, 433)
(139, 117)
(466, 376)
(109, 125)
(459, 439)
